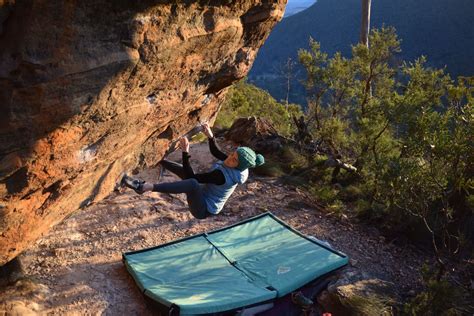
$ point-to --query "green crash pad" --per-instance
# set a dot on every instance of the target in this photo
(254, 261)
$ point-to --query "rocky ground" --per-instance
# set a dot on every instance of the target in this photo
(77, 269)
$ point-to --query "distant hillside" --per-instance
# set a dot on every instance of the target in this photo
(295, 6)
(440, 29)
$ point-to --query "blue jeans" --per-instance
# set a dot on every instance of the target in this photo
(191, 187)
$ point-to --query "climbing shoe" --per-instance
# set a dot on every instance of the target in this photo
(134, 184)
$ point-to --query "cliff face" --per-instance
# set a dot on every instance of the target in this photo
(89, 89)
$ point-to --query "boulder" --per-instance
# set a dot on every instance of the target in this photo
(257, 133)
(357, 293)
(89, 89)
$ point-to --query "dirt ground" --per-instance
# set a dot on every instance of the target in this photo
(76, 269)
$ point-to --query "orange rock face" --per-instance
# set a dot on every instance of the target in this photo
(89, 89)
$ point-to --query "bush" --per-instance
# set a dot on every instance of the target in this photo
(439, 298)
(270, 169)
(326, 194)
(406, 127)
(363, 208)
(244, 100)
(285, 162)
(351, 193)
(336, 207)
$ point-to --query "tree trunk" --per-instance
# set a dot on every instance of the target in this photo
(365, 22)
(288, 77)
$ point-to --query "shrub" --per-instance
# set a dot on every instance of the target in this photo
(270, 168)
(351, 193)
(406, 127)
(336, 207)
(438, 298)
(244, 100)
(325, 194)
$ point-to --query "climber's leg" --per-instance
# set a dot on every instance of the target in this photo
(192, 188)
(174, 167)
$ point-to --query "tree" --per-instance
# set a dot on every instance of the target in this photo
(408, 131)
(288, 73)
(365, 22)
(344, 116)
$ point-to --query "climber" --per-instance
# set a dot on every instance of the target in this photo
(206, 192)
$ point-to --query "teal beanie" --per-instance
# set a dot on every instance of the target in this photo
(248, 158)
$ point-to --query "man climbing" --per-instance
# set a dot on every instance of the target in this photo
(206, 192)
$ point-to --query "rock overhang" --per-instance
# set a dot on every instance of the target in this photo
(88, 90)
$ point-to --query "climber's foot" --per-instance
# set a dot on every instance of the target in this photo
(134, 184)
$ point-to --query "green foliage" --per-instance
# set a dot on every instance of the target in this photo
(363, 208)
(438, 297)
(336, 208)
(291, 159)
(244, 100)
(431, 179)
(199, 138)
(326, 194)
(351, 193)
(284, 163)
(350, 99)
(407, 128)
(271, 168)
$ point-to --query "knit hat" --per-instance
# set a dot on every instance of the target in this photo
(248, 158)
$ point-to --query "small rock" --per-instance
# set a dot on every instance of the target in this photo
(59, 252)
(353, 262)
(22, 308)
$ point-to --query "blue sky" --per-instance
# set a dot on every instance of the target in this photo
(300, 2)
(294, 6)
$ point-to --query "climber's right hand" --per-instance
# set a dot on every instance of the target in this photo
(207, 130)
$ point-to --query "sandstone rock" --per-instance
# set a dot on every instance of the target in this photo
(257, 133)
(357, 293)
(91, 88)
(21, 298)
(20, 308)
